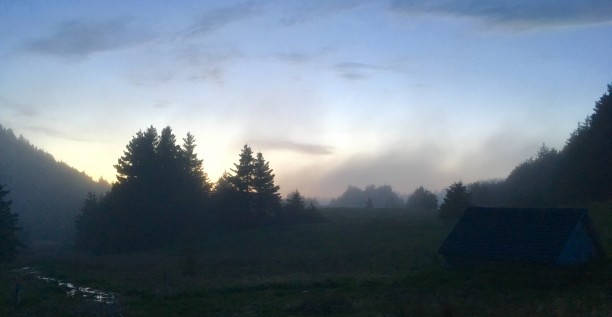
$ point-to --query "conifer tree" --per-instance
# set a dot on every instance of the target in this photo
(9, 243)
(138, 160)
(159, 197)
(456, 201)
(193, 164)
(242, 179)
(267, 198)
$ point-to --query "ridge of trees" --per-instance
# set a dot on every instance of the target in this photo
(46, 194)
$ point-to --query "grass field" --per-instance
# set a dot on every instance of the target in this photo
(357, 264)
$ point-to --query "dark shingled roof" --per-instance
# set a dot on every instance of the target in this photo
(533, 235)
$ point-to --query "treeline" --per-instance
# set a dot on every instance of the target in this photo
(163, 196)
(371, 197)
(579, 173)
(46, 194)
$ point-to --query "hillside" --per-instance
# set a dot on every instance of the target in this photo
(46, 194)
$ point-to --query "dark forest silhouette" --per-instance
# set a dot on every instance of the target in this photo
(580, 173)
(163, 197)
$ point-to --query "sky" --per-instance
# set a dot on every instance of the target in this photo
(334, 93)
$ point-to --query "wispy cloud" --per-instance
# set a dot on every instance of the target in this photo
(214, 19)
(19, 109)
(56, 133)
(520, 14)
(357, 71)
(310, 10)
(79, 39)
(287, 145)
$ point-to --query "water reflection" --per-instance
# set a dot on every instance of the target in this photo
(71, 289)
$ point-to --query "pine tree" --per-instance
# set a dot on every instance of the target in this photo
(295, 202)
(9, 243)
(193, 164)
(267, 199)
(242, 179)
(456, 201)
(160, 194)
(138, 160)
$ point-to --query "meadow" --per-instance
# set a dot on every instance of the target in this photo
(358, 263)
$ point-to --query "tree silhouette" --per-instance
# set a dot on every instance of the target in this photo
(586, 166)
(9, 243)
(295, 211)
(160, 196)
(267, 199)
(456, 201)
(422, 201)
(242, 179)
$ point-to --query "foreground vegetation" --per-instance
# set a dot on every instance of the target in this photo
(353, 265)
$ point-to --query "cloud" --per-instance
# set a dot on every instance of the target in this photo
(306, 148)
(311, 10)
(19, 109)
(357, 71)
(215, 19)
(55, 133)
(79, 39)
(520, 13)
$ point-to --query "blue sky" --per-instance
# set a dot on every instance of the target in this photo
(336, 92)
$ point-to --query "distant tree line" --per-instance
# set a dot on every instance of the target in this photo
(580, 173)
(162, 196)
(372, 197)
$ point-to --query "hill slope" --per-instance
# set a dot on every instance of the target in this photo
(46, 194)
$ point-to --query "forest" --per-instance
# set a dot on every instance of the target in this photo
(169, 241)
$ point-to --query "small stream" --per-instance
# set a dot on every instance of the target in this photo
(71, 289)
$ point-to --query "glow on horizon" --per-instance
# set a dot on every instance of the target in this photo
(333, 93)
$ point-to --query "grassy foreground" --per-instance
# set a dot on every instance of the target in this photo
(353, 265)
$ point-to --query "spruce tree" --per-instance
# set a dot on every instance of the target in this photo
(193, 165)
(242, 179)
(267, 199)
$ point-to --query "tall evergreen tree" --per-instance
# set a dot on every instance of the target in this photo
(9, 243)
(267, 199)
(193, 165)
(242, 179)
(138, 160)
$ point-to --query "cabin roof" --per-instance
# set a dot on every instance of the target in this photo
(534, 235)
